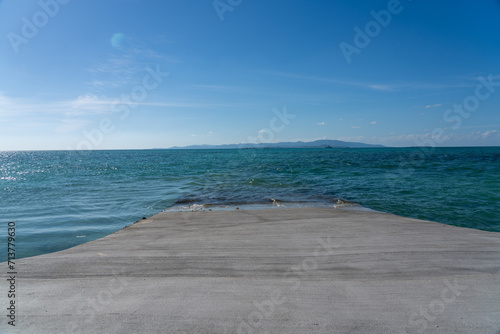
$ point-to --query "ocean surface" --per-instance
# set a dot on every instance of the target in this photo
(59, 199)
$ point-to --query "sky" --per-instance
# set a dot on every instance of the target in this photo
(139, 74)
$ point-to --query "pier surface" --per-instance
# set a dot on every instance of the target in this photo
(299, 270)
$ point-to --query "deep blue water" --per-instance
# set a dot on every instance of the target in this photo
(59, 199)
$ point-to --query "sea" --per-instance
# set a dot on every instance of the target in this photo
(59, 199)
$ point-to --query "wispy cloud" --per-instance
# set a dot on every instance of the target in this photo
(218, 88)
(321, 123)
(433, 106)
(4, 100)
(116, 71)
(488, 134)
(11, 106)
(122, 67)
(464, 82)
(87, 104)
(481, 126)
(387, 88)
(330, 80)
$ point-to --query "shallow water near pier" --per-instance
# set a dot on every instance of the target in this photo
(59, 199)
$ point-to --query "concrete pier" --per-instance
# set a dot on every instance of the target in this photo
(299, 270)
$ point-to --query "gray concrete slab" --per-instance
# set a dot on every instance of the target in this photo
(266, 271)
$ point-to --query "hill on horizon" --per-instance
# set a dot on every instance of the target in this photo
(323, 143)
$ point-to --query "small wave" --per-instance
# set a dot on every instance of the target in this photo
(191, 203)
(342, 203)
(277, 202)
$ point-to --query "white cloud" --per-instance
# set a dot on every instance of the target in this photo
(489, 134)
(373, 122)
(321, 123)
(87, 103)
(433, 106)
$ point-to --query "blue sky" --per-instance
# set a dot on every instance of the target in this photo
(119, 74)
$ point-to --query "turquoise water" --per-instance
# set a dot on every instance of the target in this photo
(59, 199)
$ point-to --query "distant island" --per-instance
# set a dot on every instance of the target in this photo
(325, 143)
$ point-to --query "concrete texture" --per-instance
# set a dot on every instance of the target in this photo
(267, 271)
